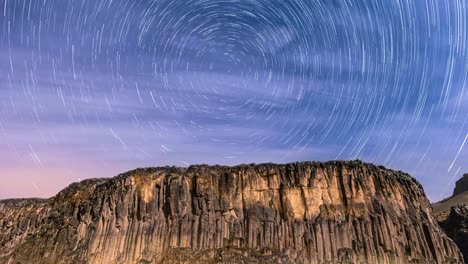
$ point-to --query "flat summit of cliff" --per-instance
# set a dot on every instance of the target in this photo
(302, 212)
(138, 172)
(189, 170)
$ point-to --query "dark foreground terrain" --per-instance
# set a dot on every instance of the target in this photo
(452, 214)
(309, 212)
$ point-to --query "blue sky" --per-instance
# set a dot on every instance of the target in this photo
(92, 88)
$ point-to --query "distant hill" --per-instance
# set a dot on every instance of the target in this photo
(461, 185)
(442, 208)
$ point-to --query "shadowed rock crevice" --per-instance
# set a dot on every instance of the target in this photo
(456, 227)
(308, 212)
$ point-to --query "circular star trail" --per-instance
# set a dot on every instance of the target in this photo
(109, 85)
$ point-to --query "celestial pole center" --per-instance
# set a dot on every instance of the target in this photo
(92, 88)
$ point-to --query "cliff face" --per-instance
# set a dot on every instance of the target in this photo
(456, 227)
(461, 185)
(334, 212)
(452, 214)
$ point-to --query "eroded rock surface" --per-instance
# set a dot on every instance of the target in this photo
(309, 212)
(452, 214)
(456, 227)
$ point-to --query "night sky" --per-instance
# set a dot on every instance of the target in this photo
(93, 88)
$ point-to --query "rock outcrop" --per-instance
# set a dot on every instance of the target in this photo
(461, 185)
(452, 215)
(309, 212)
(456, 227)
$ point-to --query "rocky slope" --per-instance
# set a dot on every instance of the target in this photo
(333, 212)
(442, 209)
(452, 214)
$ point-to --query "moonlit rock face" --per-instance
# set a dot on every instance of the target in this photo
(309, 212)
(89, 88)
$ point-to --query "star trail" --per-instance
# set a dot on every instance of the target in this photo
(92, 88)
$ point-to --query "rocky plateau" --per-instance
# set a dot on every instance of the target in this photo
(307, 212)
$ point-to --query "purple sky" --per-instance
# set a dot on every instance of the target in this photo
(93, 88)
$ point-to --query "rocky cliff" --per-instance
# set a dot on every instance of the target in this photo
(456, 227)
(452, 214)
(333, 212)
(461, 185)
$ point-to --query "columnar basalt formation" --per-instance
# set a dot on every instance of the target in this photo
(309, 212)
